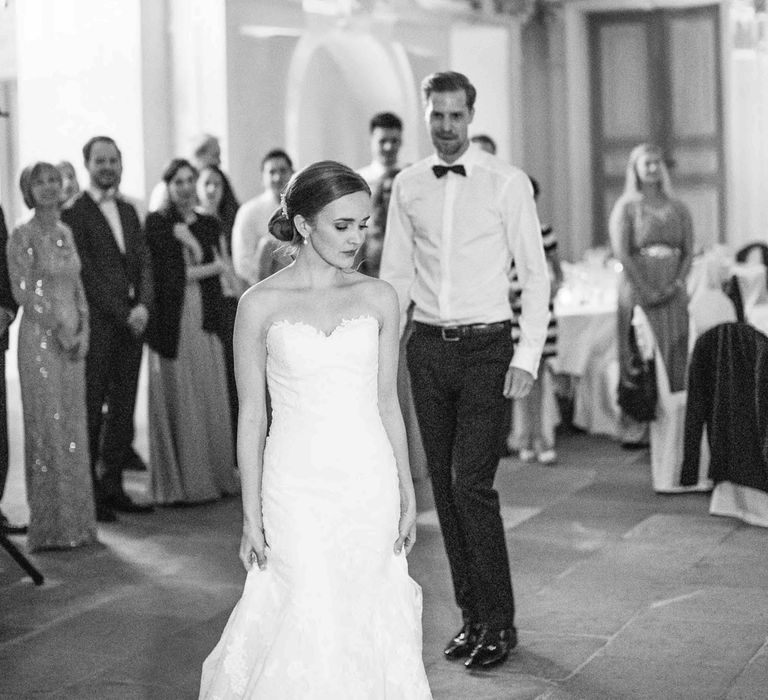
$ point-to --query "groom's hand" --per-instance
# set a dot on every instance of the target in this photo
(517, 383)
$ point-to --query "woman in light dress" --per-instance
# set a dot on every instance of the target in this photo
(44, 270)
(328, 609)
(652, 237)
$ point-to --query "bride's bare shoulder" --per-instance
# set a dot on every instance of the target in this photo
(375, 289)
(266, 298)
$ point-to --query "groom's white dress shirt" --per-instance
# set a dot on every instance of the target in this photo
(450, 242)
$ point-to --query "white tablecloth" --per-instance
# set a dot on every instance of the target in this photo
(587, 353)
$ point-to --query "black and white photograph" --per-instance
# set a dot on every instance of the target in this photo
(383, 349)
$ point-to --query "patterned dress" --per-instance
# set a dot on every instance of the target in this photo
(655, 245)
(549, 241)
(44, 270)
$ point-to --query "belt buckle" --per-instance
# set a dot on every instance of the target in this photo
(445, 334)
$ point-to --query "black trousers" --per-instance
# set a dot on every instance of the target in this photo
(111, 380)
(458, 395)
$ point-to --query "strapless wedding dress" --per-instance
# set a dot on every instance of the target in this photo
(335, 614)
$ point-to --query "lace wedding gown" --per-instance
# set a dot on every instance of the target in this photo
(335, 614)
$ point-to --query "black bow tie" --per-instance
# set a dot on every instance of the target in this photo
(440, 170)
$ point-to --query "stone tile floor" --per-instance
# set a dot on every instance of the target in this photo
(621, 593)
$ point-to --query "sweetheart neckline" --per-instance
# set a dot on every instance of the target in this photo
(343, 323)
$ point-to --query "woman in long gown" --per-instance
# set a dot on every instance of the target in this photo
(328, 609)
(190, 432)
(44, 270)
(652, 237)
(210, 194)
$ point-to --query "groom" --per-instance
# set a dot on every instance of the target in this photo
(456, 221)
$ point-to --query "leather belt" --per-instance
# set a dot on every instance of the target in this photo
(470, 330)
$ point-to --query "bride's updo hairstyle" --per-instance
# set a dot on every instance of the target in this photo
(308, 192)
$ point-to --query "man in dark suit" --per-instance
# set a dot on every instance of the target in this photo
(117, 277)
(8, 308)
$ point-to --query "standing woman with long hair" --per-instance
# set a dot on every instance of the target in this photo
(190, 434)
(211, 187)
(44, 270)
(652, 236)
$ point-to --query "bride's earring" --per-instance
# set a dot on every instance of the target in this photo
(305, 241)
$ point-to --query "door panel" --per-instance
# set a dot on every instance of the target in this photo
(623, 66)
(656, 77)
(693, 77)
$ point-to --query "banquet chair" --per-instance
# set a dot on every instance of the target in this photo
(728, 401)
(666, 431)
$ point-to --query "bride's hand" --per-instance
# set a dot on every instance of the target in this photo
(406, 529)
(253, 549)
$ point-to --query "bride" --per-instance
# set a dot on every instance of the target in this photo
(328, 609)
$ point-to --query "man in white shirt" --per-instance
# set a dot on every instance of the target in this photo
(456, 221)
(386, 138)
(252, 244)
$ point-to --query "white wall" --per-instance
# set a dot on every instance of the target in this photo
(79, 74)
(747, 143)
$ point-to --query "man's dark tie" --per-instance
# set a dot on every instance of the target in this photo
(440, 170)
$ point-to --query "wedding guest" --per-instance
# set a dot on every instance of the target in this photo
(117, 276)
(8, 308)
(456, 221)
(205, 150)
(70, 187)
(190, 433)
(44, 270)
(484, 143)
(386, 130)
(254, 250)
(652, 236)
(530, 435)
(210, 195)
(386, 138)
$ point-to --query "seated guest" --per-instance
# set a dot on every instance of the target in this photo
(190, 433)
(44, 270)
(255, 251)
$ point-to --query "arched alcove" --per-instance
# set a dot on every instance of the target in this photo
(336, 81)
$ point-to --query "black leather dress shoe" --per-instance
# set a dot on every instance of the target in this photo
(464, 642)
(492, 648)
(122, 503)
(104, 514)
(135, 463)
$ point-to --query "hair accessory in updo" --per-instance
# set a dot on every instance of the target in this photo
(284, 205)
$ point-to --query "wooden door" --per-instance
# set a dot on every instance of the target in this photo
(656, 77)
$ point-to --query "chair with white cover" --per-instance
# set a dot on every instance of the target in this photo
(666, 431)
(728, 401)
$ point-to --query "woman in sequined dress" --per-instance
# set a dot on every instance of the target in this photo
(44, 270)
